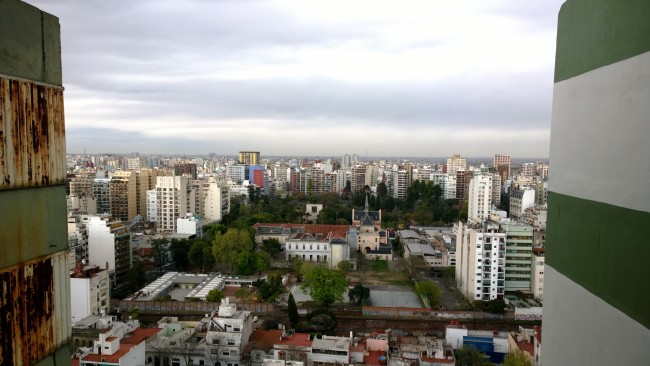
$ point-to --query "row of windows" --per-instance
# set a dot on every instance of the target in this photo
(311, 247)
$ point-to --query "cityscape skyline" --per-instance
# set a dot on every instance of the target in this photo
(316, 79)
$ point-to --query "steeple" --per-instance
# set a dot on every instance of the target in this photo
(366, 208)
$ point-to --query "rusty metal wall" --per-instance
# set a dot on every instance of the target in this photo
(32, 135)
(34, 271)
(34, 314)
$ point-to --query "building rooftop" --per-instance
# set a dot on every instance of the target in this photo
(296, 340)
(138, 336)
(335, 343)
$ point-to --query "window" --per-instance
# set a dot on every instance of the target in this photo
(231, 342)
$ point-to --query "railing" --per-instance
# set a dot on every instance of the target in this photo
(190, 306)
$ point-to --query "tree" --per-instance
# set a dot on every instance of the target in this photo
(226, 247)
(200, 255)
(429, 291)
(244, 293)
(160, 248)
(180, 250)
(214, 295)
(325, 286)
(270, 288)
(517, 358)
(272, 246)
(251, 262)
(292, 309)
(496, 306)
(467, 356)
(344, 266)
(359, 294)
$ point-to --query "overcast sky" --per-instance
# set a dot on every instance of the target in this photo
(298, 77)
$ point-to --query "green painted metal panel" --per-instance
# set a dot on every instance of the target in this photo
(597, 33)
(30, 45)
(602, 248)
(32, 223)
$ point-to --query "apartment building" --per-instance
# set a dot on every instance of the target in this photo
(123, 195)
(480, 197)
(481, 260)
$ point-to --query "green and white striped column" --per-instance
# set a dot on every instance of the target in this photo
(597, 276)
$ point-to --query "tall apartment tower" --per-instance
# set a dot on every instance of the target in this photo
(480, 260)
(172, 201)
(596, 273)
(479, 201)
(400, 183)
(456, 163)
(187, 169)
(35, 326)
(358, 178)
(123, 195)
(519, 244)
(501, 164)
(101, 192)
(249, 157)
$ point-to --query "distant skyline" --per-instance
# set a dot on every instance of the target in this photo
(415, 78)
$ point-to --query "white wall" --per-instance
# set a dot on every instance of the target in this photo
(80, 298)
(101, 244)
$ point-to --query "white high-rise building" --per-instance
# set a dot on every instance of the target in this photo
(152, 206)
(480, 260)
(216, 200)
(447, 182)
(456, 163)
(236, 173)
(171, 201)
(480, 197)
(400, 183)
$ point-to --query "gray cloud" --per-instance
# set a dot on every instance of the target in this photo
(206, 71)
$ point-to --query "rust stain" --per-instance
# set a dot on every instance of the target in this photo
(27, 318)
(32, 135)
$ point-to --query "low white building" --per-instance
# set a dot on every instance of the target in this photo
(122, 344)
(228, 333)
(190, 225)
(330, 350)
(433, 257)
(89, 292)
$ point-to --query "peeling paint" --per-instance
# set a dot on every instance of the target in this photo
(32, 134)
(33, 324)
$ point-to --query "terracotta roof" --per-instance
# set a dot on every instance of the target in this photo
(265, 339)
(126, 344)
(373, 358)
(526, 347)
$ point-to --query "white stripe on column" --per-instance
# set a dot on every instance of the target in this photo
(600, 135)
(582, 329)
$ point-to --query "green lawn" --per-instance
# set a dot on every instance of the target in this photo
(378, 266)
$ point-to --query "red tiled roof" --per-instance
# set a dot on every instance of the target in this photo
(140, 335)
(373, 358)
(338, 231)
(265, 339)
(126, 344)
(526, 347)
